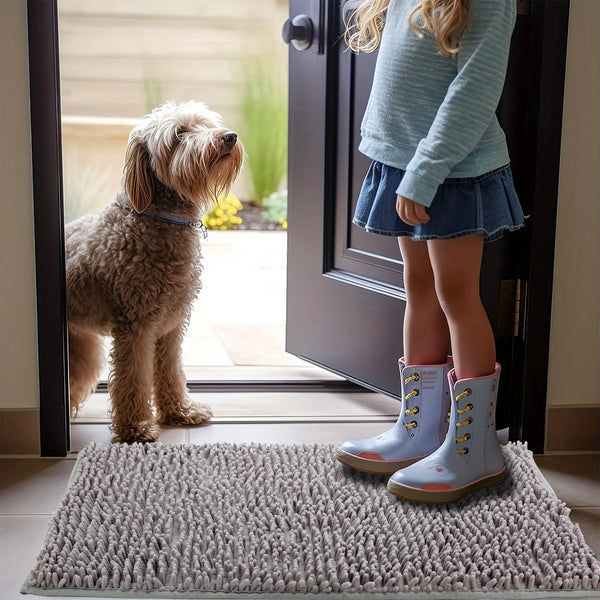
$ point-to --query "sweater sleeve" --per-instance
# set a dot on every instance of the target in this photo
(470, 102)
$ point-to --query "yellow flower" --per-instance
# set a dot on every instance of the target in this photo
(223, 215)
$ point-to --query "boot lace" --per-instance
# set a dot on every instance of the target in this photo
(415, 409)
(464, 423)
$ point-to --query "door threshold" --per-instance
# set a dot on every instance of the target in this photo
(265, 419)
(270, 385)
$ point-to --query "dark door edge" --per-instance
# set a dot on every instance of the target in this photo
(46, 155)
(531, 357)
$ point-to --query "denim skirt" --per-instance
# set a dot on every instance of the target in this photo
(487, 204)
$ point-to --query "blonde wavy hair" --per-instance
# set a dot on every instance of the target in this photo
(446, 19)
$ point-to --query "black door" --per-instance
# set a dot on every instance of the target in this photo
(346, 297)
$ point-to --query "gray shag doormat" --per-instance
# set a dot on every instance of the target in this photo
(256, 520)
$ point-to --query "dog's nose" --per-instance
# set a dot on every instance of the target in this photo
(229, 138)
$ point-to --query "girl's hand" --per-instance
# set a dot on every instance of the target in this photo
(412, 213)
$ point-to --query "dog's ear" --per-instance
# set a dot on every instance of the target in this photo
(138, 180)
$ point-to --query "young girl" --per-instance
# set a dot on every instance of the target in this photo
(440, 180)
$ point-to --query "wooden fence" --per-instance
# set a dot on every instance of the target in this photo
(120, 58)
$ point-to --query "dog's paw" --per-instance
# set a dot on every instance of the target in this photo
(139, 433)
(189, 414)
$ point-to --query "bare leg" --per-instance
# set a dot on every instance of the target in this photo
(426, 335)
(457, 264)
(170, 392)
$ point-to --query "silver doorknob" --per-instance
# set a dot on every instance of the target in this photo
(298, 32)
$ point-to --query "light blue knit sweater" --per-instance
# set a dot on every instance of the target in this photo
(435, 116)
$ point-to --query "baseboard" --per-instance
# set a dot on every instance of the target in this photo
(20, 431)
(568, 429)
(573, 428)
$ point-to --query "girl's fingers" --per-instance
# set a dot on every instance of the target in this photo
(417, 213)
(405, 216)
(412, 213)
(421, 213)
(401, 209)
(408, 216)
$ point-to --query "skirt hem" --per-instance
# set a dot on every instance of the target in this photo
(487, 204)
(489, 236)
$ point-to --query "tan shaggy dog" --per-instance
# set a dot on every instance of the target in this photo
(133, 270)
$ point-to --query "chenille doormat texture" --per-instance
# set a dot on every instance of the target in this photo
(257, 520)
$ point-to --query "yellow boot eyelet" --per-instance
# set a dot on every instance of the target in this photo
(414, 376)
(467, 392)
(411, 394)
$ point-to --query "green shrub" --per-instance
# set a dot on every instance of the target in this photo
(275, 207)
(264, 124)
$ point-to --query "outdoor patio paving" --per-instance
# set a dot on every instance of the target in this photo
(237, 329)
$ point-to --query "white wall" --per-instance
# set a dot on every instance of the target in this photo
(18, 333)
(574, 363)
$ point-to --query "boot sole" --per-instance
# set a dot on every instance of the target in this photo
(446, 496)
(366, 465)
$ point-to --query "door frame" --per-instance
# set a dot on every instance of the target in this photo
(529, 382)
(531, 348)
(46, 156)
(46, 140)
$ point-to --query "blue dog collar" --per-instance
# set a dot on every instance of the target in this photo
(179, 221)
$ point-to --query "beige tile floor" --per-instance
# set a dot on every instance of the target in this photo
(31, 488)
(239, 316)
(237, 332)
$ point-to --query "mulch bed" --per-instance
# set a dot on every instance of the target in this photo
(253, 220)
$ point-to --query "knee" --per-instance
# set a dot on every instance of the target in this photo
(457, 297)
(420, 289)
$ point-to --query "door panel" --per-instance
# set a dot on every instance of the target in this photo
(372, 256)
(346, 299)
(339, 296)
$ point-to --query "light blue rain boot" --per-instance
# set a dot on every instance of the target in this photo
(470, 457)
(420, 429)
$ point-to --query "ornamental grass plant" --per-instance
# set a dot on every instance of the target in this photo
(263, 128)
